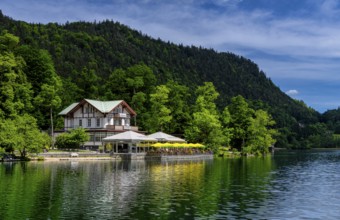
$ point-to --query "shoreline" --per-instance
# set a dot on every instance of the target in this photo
(121, 157)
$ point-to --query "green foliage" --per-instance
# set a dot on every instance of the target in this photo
(8, 42)
(207, 96)
(46, 84)
(251, 131)
(108, 147)
(227, 130)
(179, 106)
(22, 134)
(133, 84)
(160, 114)
(73, 139)
(205, 126)
(260, 133)
(88, 82)
(241, 119)
(15, 91)
(140, 77)
(109, 61)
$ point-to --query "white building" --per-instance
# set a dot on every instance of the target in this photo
(99, 118)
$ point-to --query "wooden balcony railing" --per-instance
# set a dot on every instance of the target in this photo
(122, 127)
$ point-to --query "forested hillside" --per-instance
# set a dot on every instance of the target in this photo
(108, 60)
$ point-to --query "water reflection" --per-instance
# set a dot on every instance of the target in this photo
(284, 186)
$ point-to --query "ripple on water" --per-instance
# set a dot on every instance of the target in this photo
(287, 186)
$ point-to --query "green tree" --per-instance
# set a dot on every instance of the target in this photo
(22, 134)
(15, 91)
(241, 119)
(206, 98)
(50, 99)
(260, 133)
(138, 103)
(179, 107)
(46, 84)
(205, 126)
(88, 83)
(318, 135)
(73, 139)
(116, 87)
(160, 114)
(140, 78)
(226, 129)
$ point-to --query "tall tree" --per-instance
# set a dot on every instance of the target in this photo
(116, 87)
(179, 106)
(138, 103)
(140, 77)
(260, 133)
(205, 126)
(241, 119)
(22, 134)
(226, 129)
(160, 114)
(206, 97)
(49, 98)
(88, 83)
(46, 84)
(15, 90)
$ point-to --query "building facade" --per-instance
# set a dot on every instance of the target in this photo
(100, 119)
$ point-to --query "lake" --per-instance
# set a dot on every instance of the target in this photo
(287, 185)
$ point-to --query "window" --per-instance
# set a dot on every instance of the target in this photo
(117, 121)
(98, 122)
(91, 137)
(80, 123)
(89, 122)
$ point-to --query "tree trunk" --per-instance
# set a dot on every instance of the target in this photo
(23, 153)
(52, 130)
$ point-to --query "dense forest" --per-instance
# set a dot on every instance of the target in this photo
(106, 60)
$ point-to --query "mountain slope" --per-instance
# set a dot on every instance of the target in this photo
(102, 47)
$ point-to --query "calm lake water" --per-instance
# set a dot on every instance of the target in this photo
(287, 185)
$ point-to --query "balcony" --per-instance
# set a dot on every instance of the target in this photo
(119, 115)
(122, 127)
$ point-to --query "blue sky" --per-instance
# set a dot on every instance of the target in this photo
(295, 42)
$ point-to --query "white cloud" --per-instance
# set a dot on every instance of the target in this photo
(292, 92)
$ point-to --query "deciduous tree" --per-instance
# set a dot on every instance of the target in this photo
(260, 133)
(241, 119)
(205, 126)
(22, 134)
(72, 139)
(160, 114)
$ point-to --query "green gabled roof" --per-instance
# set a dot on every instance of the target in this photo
(68, 109)
(104, 106)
